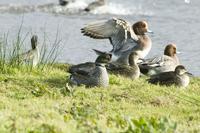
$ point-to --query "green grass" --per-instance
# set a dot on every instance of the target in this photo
(37, 101)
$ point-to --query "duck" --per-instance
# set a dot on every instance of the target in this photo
(94, 5)
(32, 55)
(123, 36)
(179, 77)
(159, 64)
(91, 74)
(131, 71)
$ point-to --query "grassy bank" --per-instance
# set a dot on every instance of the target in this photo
(37, 101)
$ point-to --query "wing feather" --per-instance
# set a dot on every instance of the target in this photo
(118, 31)
(159, 61)
(82, 69)
(165, 78)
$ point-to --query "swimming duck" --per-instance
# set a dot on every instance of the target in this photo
(91, 74)
(131, 71)
(179, 77)
(94, 5)
(32, 55)
(124, 37)
(159, 64)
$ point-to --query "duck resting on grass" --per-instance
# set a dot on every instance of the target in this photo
(131, 71)
(179, 77)
(123, 36)
(32, 56)
(159, 64)
(91, 74)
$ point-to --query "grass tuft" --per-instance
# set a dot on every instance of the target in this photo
(11, 61)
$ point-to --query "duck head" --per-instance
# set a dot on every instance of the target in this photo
(141, 27)
(103, 57)
(170, 50)
(180, 70)
(34, 41)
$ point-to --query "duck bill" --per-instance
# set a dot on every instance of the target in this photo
(190, 74)
(150, 31)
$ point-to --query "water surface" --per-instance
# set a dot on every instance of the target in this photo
(173, 21)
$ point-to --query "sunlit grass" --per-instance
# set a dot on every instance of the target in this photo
(38, 101)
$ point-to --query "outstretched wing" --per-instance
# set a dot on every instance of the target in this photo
(118, 31)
